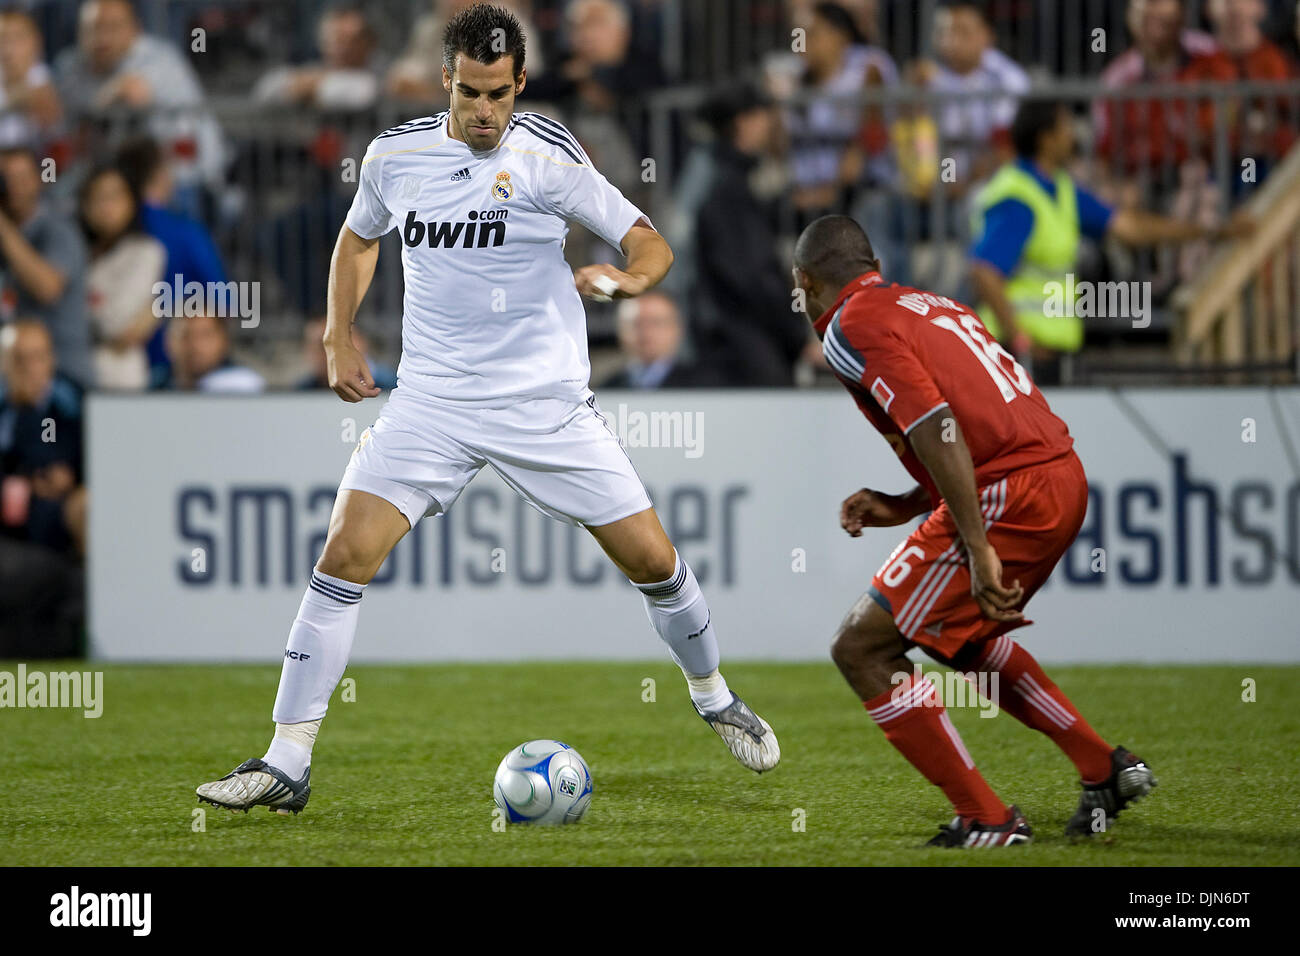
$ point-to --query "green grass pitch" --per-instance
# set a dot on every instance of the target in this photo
(403, 774)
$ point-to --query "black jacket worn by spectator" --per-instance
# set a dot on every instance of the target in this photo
(26, 448)
(681, 375)
(42, 583)
(745, 326)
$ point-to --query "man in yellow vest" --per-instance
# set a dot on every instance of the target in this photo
(1029, 220)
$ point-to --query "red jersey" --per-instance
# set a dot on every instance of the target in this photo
(905, 355)
(1141, 133)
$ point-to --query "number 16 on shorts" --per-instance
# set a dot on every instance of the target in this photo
(898, 566)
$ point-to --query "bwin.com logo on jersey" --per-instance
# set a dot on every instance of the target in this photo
(485, 228)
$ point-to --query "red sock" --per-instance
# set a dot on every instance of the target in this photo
(915, 722)
(1029, 695)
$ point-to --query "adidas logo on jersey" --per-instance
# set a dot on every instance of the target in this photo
(486, 228)
(460, 175)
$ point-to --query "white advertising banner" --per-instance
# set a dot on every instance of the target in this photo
(207, 514)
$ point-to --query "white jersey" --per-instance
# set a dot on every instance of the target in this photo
(490, 311)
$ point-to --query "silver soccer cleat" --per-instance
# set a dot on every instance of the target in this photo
(747, 735)
(255, 783)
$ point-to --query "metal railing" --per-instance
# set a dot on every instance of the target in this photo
(698, 40)
(291, 177)
(1243, 310)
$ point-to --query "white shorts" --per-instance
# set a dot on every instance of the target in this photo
(561, 457)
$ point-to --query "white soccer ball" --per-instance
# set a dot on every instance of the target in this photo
(543, 781)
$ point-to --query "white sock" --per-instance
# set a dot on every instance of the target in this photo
(679, 613)
(320, 642)
(709, 692)
(290, 749)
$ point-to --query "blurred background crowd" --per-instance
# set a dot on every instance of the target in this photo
(987, 147)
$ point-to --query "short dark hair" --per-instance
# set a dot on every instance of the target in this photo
(1033, 119)
(840, 18)
(140, 158)
(729, 101)
(835, 249)
(350, 8)
(484, 33)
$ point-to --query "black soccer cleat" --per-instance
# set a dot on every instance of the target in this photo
(255, 783)
(1130, 779)
(966, 833)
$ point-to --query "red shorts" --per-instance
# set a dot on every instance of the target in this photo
(1032, 516)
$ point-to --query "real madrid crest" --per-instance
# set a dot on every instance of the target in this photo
(501, 189)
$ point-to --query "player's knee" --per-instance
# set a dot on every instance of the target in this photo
(866, 636)
(662, 567)
(654, 566)
(349, 558)
(847, 649)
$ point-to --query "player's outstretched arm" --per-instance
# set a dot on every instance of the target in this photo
(1137, 227)
(879, 509)
(648, 260)
(940, 445)
(351, 270)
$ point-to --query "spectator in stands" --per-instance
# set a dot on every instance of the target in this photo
(1265, 127)
(1150, 134)
(417, 74)
(40, 435)
(1239, 33)
(42, 501)
(980, 86)
(1031, 218)
(824, 121)
(869, 162)
(598, 81)
(125, 263)
(43, 264)
(191, 254)
(899, 210)
(313, 354)
(603, 65)
(29, 104)
(199, 349)
(650, 335)
(345, 78)
(745, 328)
(116, 66)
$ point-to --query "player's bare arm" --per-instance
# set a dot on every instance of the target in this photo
(949, 463)
(648, 260)
(1137, 227)
(352, 268)
(880, 509)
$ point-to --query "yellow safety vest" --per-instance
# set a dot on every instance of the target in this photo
(1049, 255)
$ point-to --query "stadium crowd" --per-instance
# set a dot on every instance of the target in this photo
(133, 151)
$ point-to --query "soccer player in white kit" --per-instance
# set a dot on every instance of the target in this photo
(494, 371)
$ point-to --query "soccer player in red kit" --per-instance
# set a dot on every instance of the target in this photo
(1006, 495)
